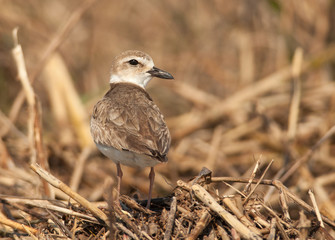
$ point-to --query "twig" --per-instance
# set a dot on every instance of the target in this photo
(328, 206)
(200, 226)
(282, 231)
(234, 234)
(106, 235)
(146, 235)
(63, 187)
(228, 202)
(195, 95)
(214, 148)
(79, 169)
(65, 100)
(247, 187)
(134, 205)
(274, 214)
(209, 201)
(316, 208)
(283, 203)
(258, 182)
(5, 159)
(307, 156)
(258, 219)
(240, 180)
(295, 103)
(28, 90)
(303, 226)
(126, 231)
(97, 236)
(29, 232)
(304, 205)
(238, 191)
(184, 185)
(222, 232)
(60, 224)
(56, 228)
(17, 226)
(50, 49)
(34, 121)
(272, 233)
(124, 218)
(7, 126)
(201, 119)
(170, 220)
(46, 204)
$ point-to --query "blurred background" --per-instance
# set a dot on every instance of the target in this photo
(229, 105)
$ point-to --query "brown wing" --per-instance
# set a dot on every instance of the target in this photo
(127, 119)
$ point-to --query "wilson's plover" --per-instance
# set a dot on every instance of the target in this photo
(126, 125)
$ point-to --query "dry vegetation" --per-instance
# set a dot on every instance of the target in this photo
(253, 102)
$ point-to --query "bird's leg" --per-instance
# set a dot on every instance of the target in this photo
(119, 178)
(152, 178)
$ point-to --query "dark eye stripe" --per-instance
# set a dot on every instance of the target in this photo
(133, 62)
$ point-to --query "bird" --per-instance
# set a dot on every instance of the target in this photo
(126, 125)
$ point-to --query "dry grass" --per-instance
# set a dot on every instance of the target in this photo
(253, 100)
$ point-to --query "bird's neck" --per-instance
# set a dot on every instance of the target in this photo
(141, 82)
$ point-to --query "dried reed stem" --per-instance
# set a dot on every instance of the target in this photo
(316, 208)
(200, 226)
(34, 122)
(200, 119)
(62, 186)
(209, 201)
(17, 226)
(50, 49)
(295, 102)
(307, 156)
(170, 219)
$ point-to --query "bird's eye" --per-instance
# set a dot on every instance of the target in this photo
(133, 62)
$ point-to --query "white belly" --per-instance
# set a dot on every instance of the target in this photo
(127, 158)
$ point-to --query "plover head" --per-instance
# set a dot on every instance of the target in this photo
(135, 67)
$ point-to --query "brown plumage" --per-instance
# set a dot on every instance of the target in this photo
(126, 125)
(128, 120)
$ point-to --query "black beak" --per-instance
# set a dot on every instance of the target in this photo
(156, 72)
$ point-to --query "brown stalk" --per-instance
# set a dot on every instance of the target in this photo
(200, 119)
(170, 219)
(79, 169)
(50, 49)
(283, 203)
(316, 208)
(200, 226)
(252, 177)
(279, 186)
(296, 98)
(34, 122)
(214, 148)
(48, 205)
(307, 155)
(63, 187)
(258, 182)
(17, 225)
(5, 158)
(272, 233)
(66, 102)
(326, 204)
(209, 201)
(240, 216)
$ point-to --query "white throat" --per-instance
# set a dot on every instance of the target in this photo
(140, 80)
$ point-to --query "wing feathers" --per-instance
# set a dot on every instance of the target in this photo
(127, 118)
